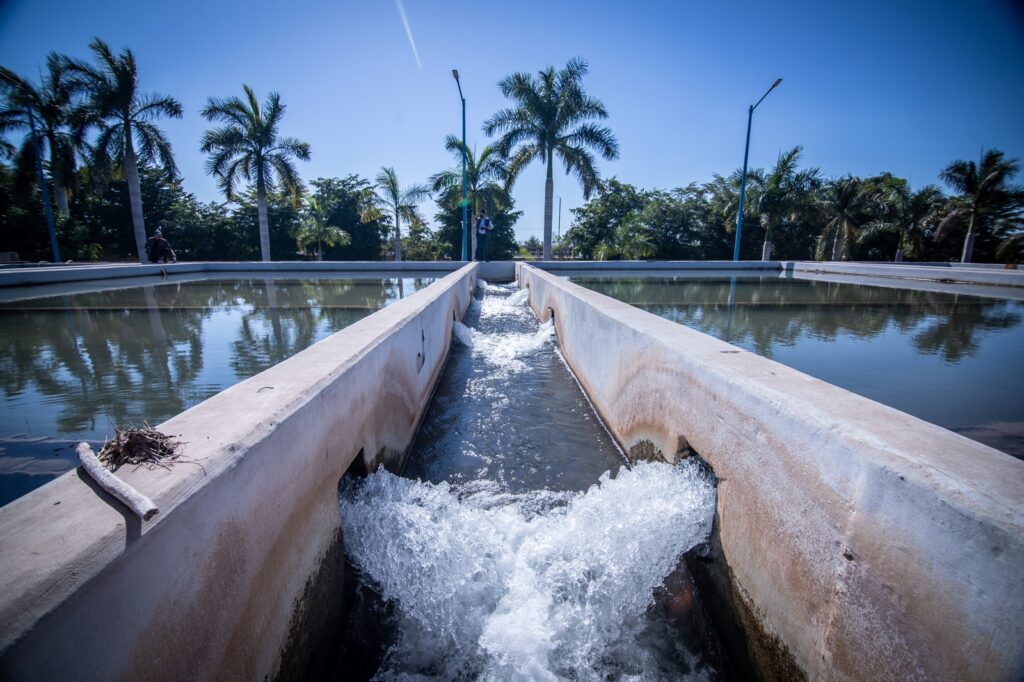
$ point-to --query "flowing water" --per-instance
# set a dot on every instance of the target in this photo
(517, 544)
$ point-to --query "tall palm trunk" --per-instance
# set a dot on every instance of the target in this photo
(766, 247)
(60, 194)
(261, 210)
(131, 171)
(837, 247)
(398, 236)
(549, 191)
(965, 257)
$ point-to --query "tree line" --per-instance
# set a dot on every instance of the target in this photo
(112, 179)
(801, 215)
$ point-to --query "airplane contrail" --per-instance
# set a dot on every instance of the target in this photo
(408, 32)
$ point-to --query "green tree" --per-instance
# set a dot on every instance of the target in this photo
(992, 208)
(781, 193)
(248, 147)
(280, 213)
(316, 228)
(22, 225)
(552, 115)
(396, 204)
(349, 199)
(419, 243)
(598, 219)
(843, 204)
(632, 240)
(124, 117)
(907, 214)
(683, 225)
(485, 178)
(204, 231)
(501, 245)
(101, 219)
(50, 106)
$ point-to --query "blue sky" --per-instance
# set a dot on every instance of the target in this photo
(904, 86)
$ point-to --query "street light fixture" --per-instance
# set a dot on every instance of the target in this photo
(455, 73)
(743, 181)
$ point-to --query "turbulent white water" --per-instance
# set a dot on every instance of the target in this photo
(543, 586)
(505, 351)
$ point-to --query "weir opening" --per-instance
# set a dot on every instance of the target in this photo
(517, 542)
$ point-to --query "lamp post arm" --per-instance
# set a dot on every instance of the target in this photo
(766, 93)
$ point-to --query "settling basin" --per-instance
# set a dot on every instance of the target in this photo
(950, 359)
(74, 366)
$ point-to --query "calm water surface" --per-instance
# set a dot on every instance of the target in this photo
(951, 359)
(72, 367)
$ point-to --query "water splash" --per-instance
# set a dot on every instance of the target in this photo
(486, 287)
(491, 585)
(518, 298)
(502, 306)
(505, 351)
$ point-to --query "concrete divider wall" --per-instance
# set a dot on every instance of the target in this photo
(20, 277)
(235, 577)
(861, 542)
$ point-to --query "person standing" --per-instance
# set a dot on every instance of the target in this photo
(484, 227)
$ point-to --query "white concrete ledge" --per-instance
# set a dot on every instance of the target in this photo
(48, 275)
(870, 544)
(210, 587)
(642, 265)
(80, 273)
(944, 273)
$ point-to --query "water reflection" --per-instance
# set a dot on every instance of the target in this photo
(948, 358)
(73, 366)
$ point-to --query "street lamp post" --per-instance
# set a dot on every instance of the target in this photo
(455, 72)
(743, 181)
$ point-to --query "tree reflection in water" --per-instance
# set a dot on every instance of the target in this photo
(944, 357)
(769, 312)
(74, 366)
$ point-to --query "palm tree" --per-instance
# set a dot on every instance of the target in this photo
(315, 228)
(631, 240)
(485, 178)
(552, 115)
(781, 193)
(396, 204)
(843, 203)
(50, 106)
(124, 117)
(909, 215)
(247, 147)
(989, 204)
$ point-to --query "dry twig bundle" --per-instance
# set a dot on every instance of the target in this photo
(139, 447)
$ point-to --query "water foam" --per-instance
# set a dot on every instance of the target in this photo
(541, 585)
(501, 306)
(505, 351)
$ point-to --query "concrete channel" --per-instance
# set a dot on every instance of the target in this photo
(855, 541)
